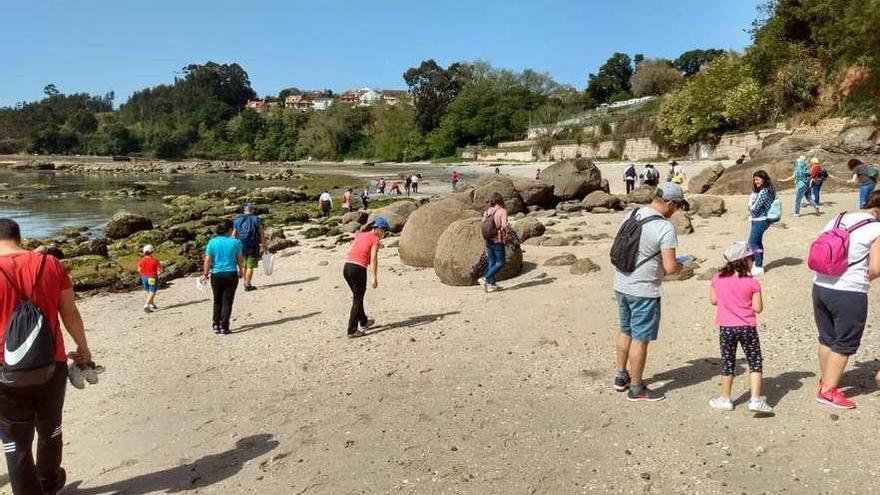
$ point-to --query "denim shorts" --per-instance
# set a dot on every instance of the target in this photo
(151, 284)
(639, 316)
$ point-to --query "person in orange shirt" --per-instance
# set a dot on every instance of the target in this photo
(150, 269)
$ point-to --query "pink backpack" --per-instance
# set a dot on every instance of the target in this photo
(829, 253)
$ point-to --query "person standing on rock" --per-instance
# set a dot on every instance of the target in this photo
(224, 265)
(760, 201)
(801, 177)
(865, 176)
(364, 253)
(346, 200)
(629, 178)
(33, 399)
(840, 300)
(365, 198)
(647, 240)
(494, 227)
(249, 231)
(325, 204)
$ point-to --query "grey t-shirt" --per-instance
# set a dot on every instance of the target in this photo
(645, 280)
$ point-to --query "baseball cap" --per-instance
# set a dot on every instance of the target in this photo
(381, 223)
(737, 251)
(670, 191)
(248, 208)
(147, 249)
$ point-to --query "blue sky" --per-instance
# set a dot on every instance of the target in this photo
(121, 45)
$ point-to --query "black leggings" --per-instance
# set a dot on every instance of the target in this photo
(748, 338)
(23, 410)
(223, 285)
(356, 276)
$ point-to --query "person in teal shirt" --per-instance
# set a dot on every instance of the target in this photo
(801, 177)
(224, 265)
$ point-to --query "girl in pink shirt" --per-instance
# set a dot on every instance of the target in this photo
(737, 300)
(364, 253)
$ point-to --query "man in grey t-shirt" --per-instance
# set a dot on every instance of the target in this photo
(638, 293)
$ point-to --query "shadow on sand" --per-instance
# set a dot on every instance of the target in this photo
(206, 471)
(411, 322)
(255, 326)
(291, 282)
(788, 261)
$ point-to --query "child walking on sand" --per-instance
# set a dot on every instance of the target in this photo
(737, 300)
(150, 269)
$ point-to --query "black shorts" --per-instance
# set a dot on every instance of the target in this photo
(840, 316)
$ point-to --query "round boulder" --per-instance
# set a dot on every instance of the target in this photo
(601, 199)
(534, 192)
(490, 185)
(355, 216)
(418, 240)
(707, 206)
(528, 227)
(682, 223)
(704, 180)
(573, 178)
(459, 252)
(123, 224)
(396, 213)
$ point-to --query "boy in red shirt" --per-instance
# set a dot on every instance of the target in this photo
(150, 269)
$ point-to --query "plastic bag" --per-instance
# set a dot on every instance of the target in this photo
(268, 263)
(201, 284)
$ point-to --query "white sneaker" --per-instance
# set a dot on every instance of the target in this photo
(91, 372)
(757, 271)
(153, 307)
(482, 282)
(493, 287)
(759, 405)
(721, 404)
(76, 377)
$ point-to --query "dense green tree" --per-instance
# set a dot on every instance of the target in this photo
(395, 135)
(433, 88)
(691, 61)
(612, 82)
(655, 78)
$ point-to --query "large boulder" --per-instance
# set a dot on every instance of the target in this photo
(396, 213)
(704, 180)
(490, 185)
(355, 216)
(534, 192)
(465, 194)
(682, 223)
(707, 206)
(95, 247)
(573, 178)
(457, 261)
(278, 194)
(418, 240)
(642, 195)
(778, 146)
(601, 199)
(527, 228)
(858, 140)
(123, 224)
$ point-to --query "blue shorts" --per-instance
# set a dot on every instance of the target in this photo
(639, 316)
(148, 286)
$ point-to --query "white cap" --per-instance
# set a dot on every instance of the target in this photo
(147, 249)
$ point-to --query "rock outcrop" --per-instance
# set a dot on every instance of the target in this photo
(396, 213)
(418, 239)
(124, 224)
(573, 178)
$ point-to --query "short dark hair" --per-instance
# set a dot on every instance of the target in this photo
(873, 201)
(853, 163)
(496, 200)
(9, 230)
(224, 226)
(738, 267)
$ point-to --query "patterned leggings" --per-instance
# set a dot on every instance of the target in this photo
(748, 338)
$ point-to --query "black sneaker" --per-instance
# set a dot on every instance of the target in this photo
(621, 383)
(355, 334)
(217, 329)
(643, 395)
(248, 288)
(370, 322)
(225, 331)
(59, 484)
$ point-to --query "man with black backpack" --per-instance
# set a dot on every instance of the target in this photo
(643, 252)
(249, 231)
(34, 291)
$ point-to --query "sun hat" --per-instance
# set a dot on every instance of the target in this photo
(381, 223)
(147, 249)
(737, 251)
(670, 191)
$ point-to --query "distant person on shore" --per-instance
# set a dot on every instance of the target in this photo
(642, 254)
(380, 187)
(760, 203)
(149, 269)
(865, 176)
(395, 188)
(415, 183)
(325, 204)
(455, 178)
(497, 171)
(737, 300)
(676, 173)
(629, 178)
(538, 174)
(801, 177)
(364, 253)
(365, 198)
(35, 375)
(840, 292)
(407, 185)
(741, 159)
(249, 231)
(224, 265)
(652, 175)
(494, 227)
(346, 200)
(818, 176)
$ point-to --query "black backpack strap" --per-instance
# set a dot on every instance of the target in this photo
(12, 283)
(649, 258)
(39, 274)
(643, 221)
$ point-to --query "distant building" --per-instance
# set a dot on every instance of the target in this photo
(369, 97)
(395, 96)
(321, 104)
(297, 102)
(257, 105)
(352, 97)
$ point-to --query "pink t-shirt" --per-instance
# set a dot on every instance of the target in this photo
(734, 295)
(362, 248)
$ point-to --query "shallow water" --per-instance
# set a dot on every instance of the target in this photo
(42, 213)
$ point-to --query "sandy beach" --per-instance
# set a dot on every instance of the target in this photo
(458, 391)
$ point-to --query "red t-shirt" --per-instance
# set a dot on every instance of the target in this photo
(149, 267)
(361, 248)
(22, 268)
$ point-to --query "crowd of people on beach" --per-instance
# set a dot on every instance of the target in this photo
(37, 296)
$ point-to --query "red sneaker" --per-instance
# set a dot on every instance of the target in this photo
(835, 398)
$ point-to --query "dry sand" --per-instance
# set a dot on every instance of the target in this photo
(458, 391)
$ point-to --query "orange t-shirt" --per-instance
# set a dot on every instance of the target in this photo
(149, 267)
(361, 248)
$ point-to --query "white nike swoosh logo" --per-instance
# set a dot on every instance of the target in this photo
(13, 357)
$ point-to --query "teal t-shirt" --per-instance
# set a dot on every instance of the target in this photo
(224, 252)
